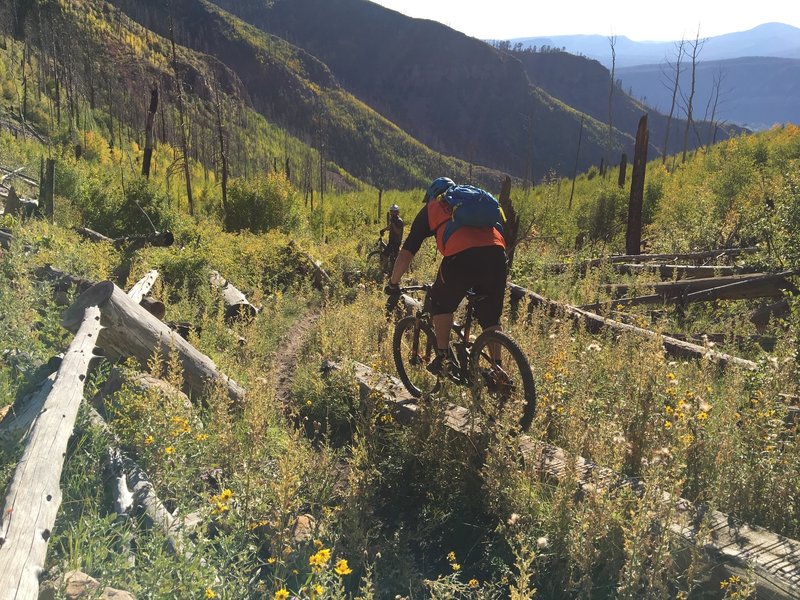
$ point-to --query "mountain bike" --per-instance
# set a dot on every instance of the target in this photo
(492, 365)
(380, 262)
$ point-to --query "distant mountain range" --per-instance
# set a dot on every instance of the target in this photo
(769, 39)
(759, 71)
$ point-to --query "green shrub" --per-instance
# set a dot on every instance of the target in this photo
(115, 211)
(263, 203)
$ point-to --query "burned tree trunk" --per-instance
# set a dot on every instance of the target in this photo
(148, 135)
(633, 237)
(130, 331)
(511, 226)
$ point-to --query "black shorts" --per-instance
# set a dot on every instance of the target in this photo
(484, 270)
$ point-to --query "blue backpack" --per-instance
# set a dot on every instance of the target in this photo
(472, 207)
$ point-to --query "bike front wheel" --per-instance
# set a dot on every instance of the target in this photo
(413, 347)
(502, 378)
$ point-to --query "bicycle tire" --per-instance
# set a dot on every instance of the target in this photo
(411, 364)
(514, 382)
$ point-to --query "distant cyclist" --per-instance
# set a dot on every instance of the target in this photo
(474, 258)
(395, 226)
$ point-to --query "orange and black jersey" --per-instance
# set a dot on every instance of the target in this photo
(431, 220)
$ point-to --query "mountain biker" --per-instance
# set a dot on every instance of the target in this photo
(473, 258)
(395, 226)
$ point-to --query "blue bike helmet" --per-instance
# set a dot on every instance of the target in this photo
(438, 186)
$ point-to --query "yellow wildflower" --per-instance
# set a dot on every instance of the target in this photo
(271, 560)
(169, 450)
(281, 594)
(317, 591)
(201, 437)
(149, 440)
(702, 415)
(342, 568)
(451, 556)
(455, 566)
(473, 583)
(210, 593)
(667, 424)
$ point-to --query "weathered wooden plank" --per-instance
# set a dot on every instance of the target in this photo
(595, 323)
(34, 495)
(772, 561)
(130, 331)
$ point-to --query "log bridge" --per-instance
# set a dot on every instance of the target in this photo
(772, 561)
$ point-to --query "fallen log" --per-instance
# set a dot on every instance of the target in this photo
(667, 271)
(237, 306)
(34, 496)
(132, 487)
(92, 235)
(640, 258)
(11, 173)
(771, 285)
(130, 331)
(671, 289)
(130, 242)
(772, 561)
(63, 282)
(16, 424)
(595, 323)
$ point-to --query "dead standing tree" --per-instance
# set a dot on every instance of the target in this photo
(633, 237)
(612, 41)
(148, 136)
(694, 52)
(675, 82)
(181, 115)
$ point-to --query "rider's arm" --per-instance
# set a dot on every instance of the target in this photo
(401, 264)
(419, 231)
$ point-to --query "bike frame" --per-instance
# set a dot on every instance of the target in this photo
(463, 343)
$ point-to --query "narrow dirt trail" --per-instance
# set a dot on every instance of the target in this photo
(288, 351)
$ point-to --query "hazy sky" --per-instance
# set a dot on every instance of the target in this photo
(506, 19)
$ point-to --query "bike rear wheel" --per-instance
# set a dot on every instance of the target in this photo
(413, 347)
(507, 388)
